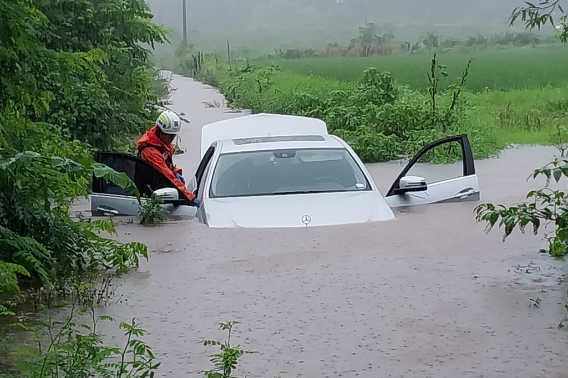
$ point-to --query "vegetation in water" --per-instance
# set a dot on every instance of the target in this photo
(76, 350)
(226, 360)
(151, 210)
(544, 207)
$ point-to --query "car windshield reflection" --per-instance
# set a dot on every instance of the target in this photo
(280, 172)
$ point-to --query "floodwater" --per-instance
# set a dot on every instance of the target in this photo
(427, 294)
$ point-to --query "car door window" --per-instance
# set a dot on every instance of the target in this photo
(201, 169)
(118, 162)
(146, 178)
(440, 163)
(201, 188)
(451, 148)
(423, 181)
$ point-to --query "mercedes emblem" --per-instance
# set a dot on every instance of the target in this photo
(306, 219)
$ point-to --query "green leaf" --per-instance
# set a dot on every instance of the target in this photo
(118, 178)
(5, 163)
(557, 173)
(26, 157)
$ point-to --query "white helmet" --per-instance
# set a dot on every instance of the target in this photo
(169, 122)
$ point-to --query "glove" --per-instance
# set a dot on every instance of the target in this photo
(180, 178)
(196, 202)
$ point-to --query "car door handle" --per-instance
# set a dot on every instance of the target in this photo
(104, 210)
(465, 194)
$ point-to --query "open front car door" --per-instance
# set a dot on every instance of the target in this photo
(107, 198)
(422, 183)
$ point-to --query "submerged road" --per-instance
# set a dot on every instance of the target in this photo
(428, 294)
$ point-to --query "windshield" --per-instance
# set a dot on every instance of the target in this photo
(278, 172)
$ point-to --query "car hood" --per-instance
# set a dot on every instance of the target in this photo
(297, 210)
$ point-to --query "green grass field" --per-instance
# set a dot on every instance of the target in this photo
(492, 69)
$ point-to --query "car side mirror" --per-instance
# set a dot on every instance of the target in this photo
(167, 194)
(412, 184)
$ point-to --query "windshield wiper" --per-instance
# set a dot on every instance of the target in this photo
(302, 192)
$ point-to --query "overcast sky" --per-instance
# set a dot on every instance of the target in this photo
(309, 23)
(215, 15)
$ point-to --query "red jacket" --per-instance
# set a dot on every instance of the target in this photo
(154, 151)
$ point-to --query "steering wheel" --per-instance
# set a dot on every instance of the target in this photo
(330, 179)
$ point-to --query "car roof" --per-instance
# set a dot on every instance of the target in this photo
(260, 125)
(279, 143)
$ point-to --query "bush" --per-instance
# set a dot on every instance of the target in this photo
(36, 232)
(91, 81)
(378, 119)
(69, 84)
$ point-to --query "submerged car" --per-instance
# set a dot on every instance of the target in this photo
(270, 170)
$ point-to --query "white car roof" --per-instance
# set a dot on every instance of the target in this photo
(279, 142)
(260, 125)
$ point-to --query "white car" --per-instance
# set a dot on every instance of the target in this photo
(274, 171)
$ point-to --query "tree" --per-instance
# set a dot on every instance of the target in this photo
(369, 42)
(431, 41)
(368, 38)
(537, 15)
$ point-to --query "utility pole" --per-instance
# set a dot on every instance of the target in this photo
(364, 6)
(184, 22)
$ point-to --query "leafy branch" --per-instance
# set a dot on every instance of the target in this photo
(546, 206)
(536, 15)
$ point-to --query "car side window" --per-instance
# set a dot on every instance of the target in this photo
(200, 173)
(200, 189)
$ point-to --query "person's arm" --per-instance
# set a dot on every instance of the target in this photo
(154, 157)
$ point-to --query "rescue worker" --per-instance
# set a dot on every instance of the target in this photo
(155, 147)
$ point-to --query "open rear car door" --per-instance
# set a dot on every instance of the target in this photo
(436, 182)
(107, 198)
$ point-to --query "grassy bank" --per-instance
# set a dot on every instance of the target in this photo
(384, 120)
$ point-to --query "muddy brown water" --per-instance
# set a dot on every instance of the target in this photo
(427, 294)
